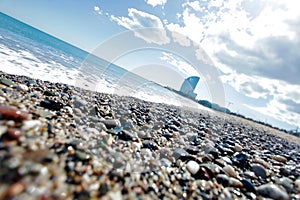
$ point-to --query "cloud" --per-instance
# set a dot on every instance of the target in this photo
(138, 20)
(182, 66)
(98, 10)
(155, 3)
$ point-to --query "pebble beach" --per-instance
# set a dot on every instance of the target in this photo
(62, 142)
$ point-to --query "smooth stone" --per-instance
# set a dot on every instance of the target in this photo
(150, 145)
(272, 191)
(14, 133)
(51, 104)
(229, 170)
(240, 160)
(280, 158)
(10, 113)
(235, 182)
(259, 170)
(261, 161)
(126, 135)
(3, 130)
(193, 167)
(180, 153)
(111, 123)
(30, 124)
(223, 179)
(49, 93)
(15, 189)
(248, 185)
(82, 156)
(22, 87)
(286, 183)
(238, 148)
(7, 82)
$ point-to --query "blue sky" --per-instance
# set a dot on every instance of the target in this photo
(254, 45)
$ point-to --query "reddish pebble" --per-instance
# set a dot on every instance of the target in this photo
(10, 113)
(15, 189)
(14, 133)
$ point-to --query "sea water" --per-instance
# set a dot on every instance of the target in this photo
(25, 50)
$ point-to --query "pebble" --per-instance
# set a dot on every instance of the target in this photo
(11, 113)
(280, 158)
(238, 148)
(179, 153)
(14, 133)
(31, 124)
(111, 123)
(51, 104)
(248, 185)
(193, 167)
(7, 82)
(15, 189)
(272, 191)
(259, 170)
(229, 170)
(3, 130)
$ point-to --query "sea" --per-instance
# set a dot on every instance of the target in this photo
(25, 50)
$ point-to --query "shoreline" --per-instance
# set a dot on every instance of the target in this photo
(62, 142)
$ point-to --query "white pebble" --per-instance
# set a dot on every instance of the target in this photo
(193, 167)
(30, 124)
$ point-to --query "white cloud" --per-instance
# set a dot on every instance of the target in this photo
(98, 10)
(155, 3)
(145, 26)
(284, 97)
(182, 66)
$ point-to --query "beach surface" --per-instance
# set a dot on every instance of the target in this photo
(62, 142)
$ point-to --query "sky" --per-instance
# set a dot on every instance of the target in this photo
(250, 49)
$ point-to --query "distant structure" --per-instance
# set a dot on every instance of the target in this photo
(188, 87)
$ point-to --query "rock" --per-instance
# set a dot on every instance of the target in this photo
(280, 158)
(126, 135)
(248, 185)
(150, 145)
(7, 82)
(193, 167)
(178, 153)
(30, 124)
(272, 191)
(238, 148)
(111, 123)
(235, 182)
(82, 156)
(3, 130)
(14, 133)
(223, 179)
(49, 93)
(22, 87)
(286, 183)
(51, 104)
(259, 170)
(229, 170)
(15, 189)
(10, 113)
(240, 160)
